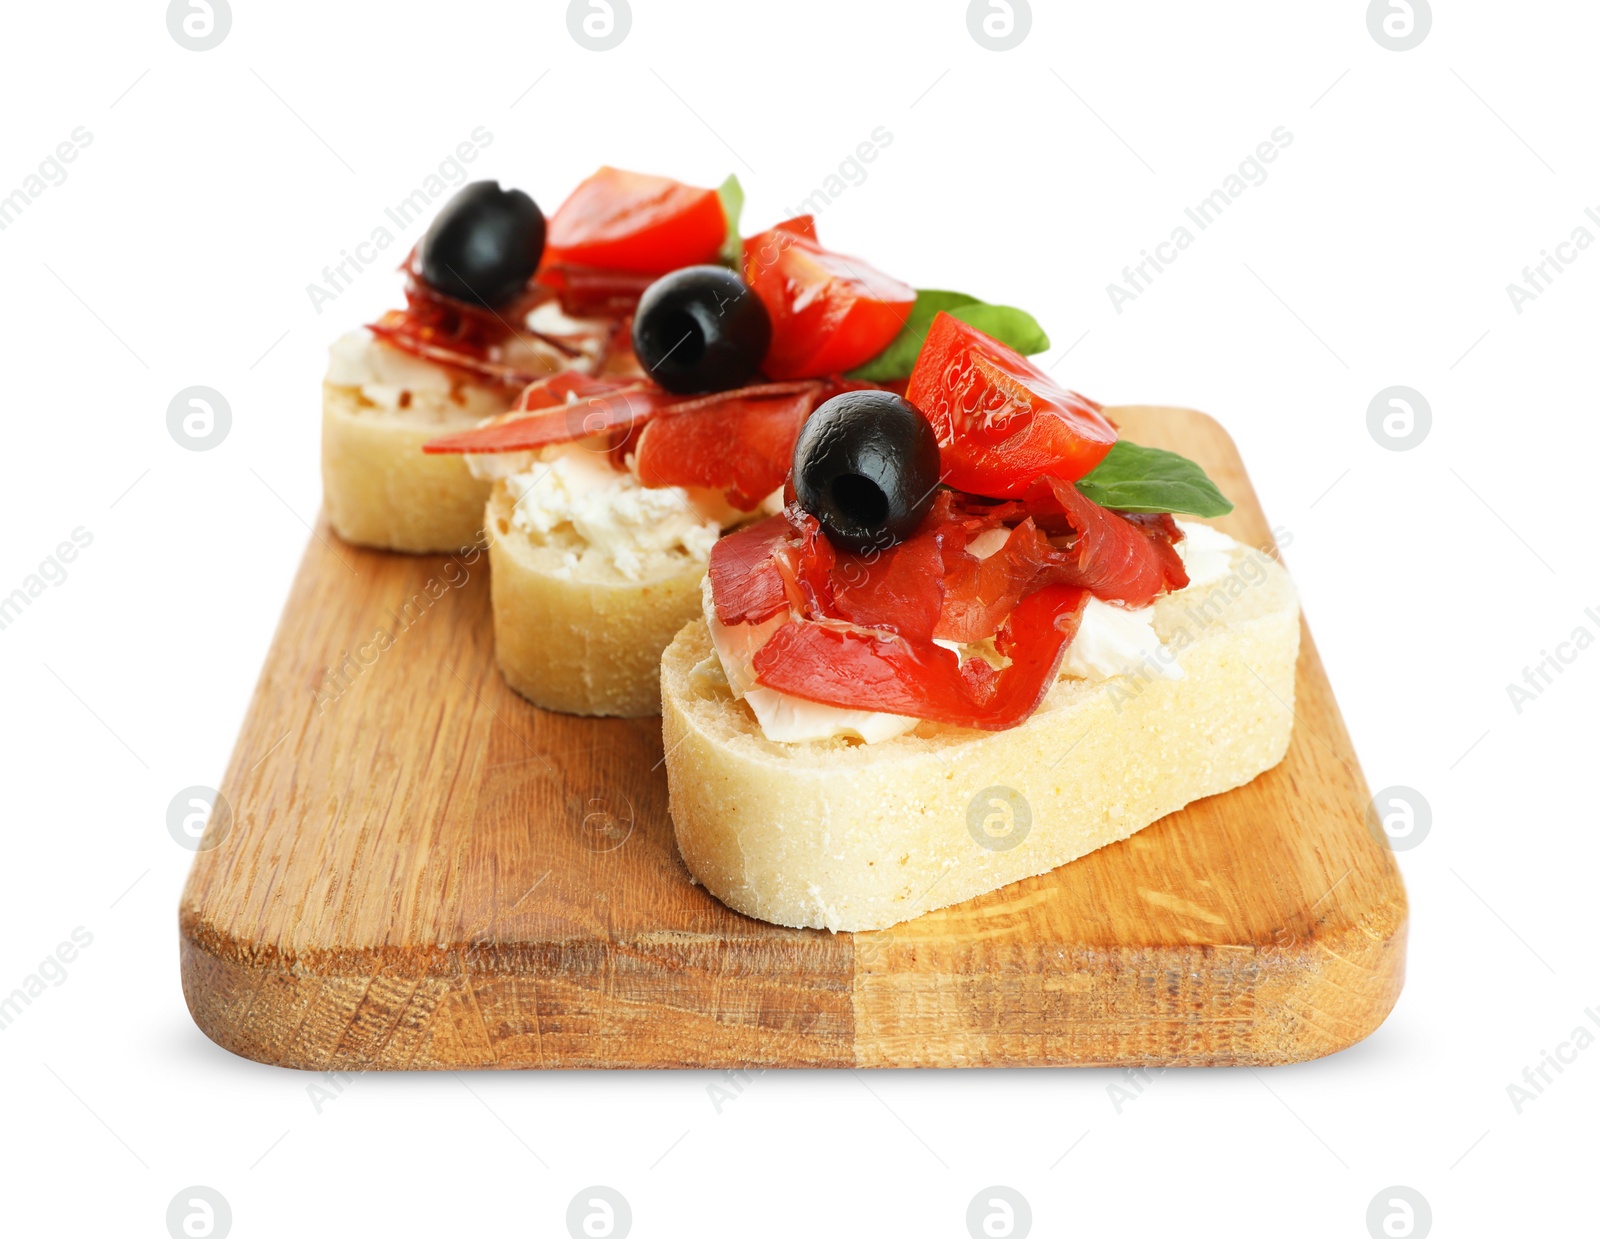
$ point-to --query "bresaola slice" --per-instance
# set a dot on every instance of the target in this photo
(458, 343)
(747, 586)
(980, 593)
(586, 292)
(863, 627)
(897, 675)
(739, 442)
(560, 409)
(493, 345)
(899, 591)
(781, 563)
(558, 389)
(571, 405)
(1120, 557)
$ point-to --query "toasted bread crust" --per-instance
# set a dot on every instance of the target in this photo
(581, 644)
(379, 487)
(845, 836)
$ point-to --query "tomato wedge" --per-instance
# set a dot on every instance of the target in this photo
(830, 312)
(629, 221)
(1001, 421)
(799, 225)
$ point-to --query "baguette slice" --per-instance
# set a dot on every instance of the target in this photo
(846, 836)
(379, 487)
(584, 641)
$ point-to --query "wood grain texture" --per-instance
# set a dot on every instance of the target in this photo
(424, 871)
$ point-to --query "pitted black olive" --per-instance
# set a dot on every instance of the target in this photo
(866, 466)
(484, 245)
(701, 329)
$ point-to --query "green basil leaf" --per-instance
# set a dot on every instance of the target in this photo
(1010, 326)
(732, 195)
(1148, 479)
(1006, 324)
(896, 361)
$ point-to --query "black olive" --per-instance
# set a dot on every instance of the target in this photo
(701, 329)
(484, 245)
(866, 466)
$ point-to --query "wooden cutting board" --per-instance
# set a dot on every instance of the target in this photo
(424, 871)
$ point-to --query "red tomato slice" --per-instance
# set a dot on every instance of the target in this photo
(800, 226)
(830, 312)
(767, 247)
(1001, 421)
(628, 221)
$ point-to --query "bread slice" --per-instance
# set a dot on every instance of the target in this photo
(584, 639)
(842, 835)
(381, 490)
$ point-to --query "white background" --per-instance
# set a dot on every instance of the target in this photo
(1417, 186)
